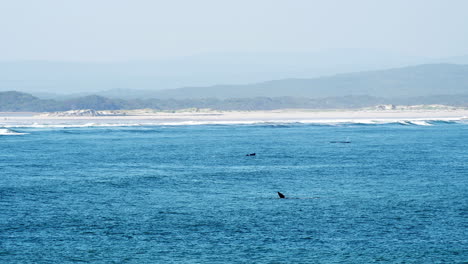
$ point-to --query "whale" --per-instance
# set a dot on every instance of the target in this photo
(251, 154)
(281, 196)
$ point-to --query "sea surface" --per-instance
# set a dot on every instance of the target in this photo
(397, 193)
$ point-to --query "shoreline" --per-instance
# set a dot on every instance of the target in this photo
(234, 117)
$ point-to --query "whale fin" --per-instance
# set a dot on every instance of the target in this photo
(281, 195)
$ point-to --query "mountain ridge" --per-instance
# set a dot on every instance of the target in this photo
(13, 101)
(197, 70)
(396, 82)
(410, 81)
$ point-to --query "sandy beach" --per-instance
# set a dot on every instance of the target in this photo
(233, 117)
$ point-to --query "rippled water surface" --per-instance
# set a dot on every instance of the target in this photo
(188, 194)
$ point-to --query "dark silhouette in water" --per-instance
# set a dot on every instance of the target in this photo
(251, 154)
(281, 195)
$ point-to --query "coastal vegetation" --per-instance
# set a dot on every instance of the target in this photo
(13, 101)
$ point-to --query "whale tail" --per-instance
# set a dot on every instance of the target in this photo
(281, 195)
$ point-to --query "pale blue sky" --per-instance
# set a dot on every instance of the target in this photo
(114, 30)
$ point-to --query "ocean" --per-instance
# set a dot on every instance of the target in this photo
(397, 193)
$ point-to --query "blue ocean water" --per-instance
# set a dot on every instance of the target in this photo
(188, 194)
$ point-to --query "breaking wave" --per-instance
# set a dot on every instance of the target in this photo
(9, 132)
(265, 123)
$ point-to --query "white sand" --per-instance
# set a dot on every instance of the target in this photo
(234, 117)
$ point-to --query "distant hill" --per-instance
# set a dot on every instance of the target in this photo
(12, 101)
(197, 70)
(423, 84)
(148, 80)
(421, 80)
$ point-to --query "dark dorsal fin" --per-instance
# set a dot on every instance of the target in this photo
(281, 195)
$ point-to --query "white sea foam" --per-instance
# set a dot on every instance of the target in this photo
(420, 123)
(9, 132)
(274, 122)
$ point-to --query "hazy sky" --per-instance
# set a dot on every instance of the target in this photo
(110, 30)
